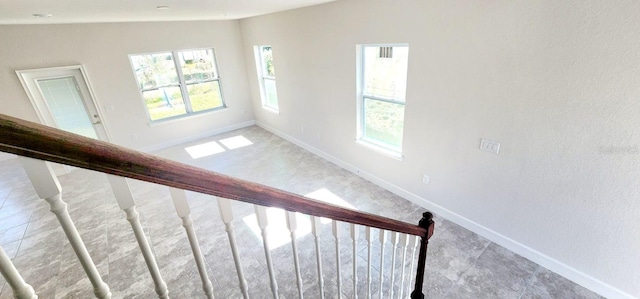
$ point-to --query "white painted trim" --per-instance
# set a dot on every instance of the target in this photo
(271, 110)
(540, 258)
(377, 148)
(96, 102)
(169, 120)
(40, 106)
(193, 137)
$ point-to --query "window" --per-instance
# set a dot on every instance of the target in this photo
(266, 76)
(178, 83)
(382, 78)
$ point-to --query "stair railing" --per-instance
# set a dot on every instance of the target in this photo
(36, 143)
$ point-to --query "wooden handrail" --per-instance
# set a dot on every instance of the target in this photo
(37, 141)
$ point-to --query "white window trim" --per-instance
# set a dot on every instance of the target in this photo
(182, 85)
(257, 51)
(380, 149)
(360, 97)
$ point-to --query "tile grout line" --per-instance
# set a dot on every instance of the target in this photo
(533, 276)
(465, 271)
(473, 262)
(4, 284)
(212, 274)
(4, 199)
(24, 234)
(9, 216)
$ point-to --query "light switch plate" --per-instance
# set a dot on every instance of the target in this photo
(490, 146)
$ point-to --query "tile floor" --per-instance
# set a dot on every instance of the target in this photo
(460, 263)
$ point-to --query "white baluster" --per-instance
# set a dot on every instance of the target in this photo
(369, 251)
(48, 188)
(383, 239)
(315, 230)
(413, 260)
(224, 205)
(122, 192)
(404, 241)
(354, 238)
(21, 290)
(292, 224)
(184, 212)
(394, 244)
(336, 235)
(263, 223)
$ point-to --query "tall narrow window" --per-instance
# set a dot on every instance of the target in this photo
(178, 83)
(266, 76)
(382, 74)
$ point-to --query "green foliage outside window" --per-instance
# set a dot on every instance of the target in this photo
(167, 94)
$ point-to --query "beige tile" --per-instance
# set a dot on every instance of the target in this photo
(13, 234)
(11, 249)
(14, 220)
(497, 273)
(547, 284)
(460, 263)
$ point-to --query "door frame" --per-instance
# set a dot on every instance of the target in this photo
(26, 79)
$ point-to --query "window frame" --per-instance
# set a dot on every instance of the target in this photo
(262, 78)
(182, 84)
(361, 97)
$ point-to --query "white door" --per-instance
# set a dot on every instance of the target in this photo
(62, 98)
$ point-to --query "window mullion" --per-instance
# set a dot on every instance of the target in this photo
(261, 63)
(381, 117)
(162, 79)
(183, 84)
(159, 87)
(362, 85)
(265, 80)
(392, 101)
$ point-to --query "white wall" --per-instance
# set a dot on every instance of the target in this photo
(103, 49)
(556, 82)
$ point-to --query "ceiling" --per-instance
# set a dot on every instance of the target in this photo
(101, 11)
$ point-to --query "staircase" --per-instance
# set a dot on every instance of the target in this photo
(35, 144)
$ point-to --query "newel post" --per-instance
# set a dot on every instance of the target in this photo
(427, 223)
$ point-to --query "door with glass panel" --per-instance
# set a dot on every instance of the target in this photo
(62, 99)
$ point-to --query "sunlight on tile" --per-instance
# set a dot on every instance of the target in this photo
(235, 142)
(204, 149)
(278, 232)
(327, 196)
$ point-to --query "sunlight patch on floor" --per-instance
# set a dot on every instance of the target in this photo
(204, 149)
(235, 142)
(279, 233)
(213, 147)
(327, 196)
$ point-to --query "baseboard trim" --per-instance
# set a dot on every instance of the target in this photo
(193, 137)
(552, 264)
